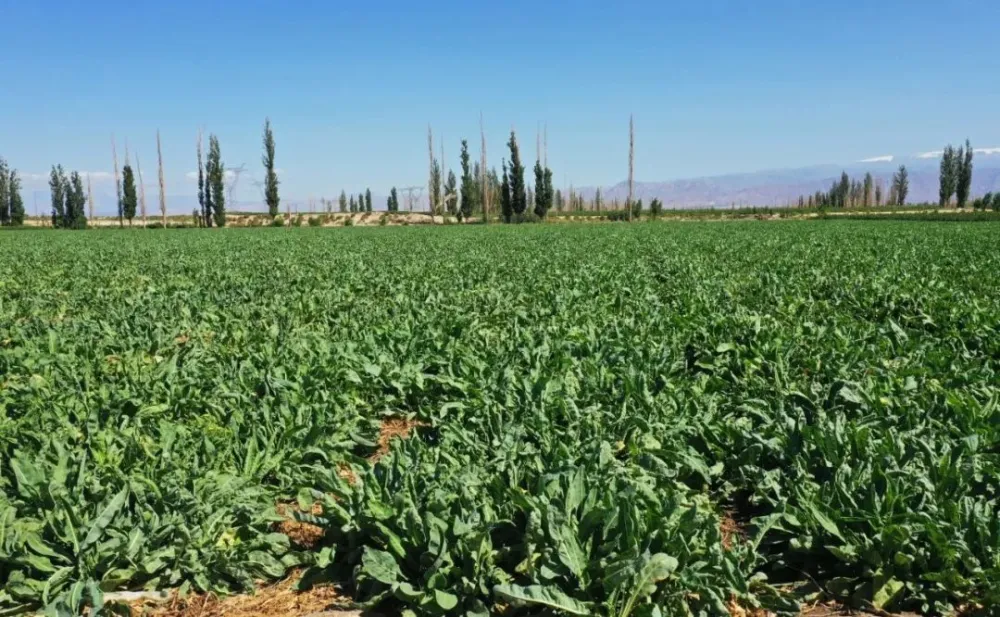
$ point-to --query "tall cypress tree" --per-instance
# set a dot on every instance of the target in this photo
(368, 200)
(506, 207)
(518, 193)
(393, 200)
(843, 190)
(539, 190)
(16, 209)
(270, 176)
(216, 181)
(4, 193)
(435, 187)
(57, 190)
(963, 184)
(946, 182)
(900, 186)
(469, 191)
(76, 201)
(342, 202)
(549, 192)
(204, 197)
(353, 205)
(129, 199)
(361, 202)
(868, 189)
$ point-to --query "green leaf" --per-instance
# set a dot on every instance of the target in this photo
(444, 600)
(888, 593)
(380, 565)
(548, 595)
(104, 519)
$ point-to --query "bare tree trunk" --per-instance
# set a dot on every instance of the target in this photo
(142, 190)
(90, 199)
(483, 176)
(430, 171)
(631, 161)
(118, 183)
(163, 190)
(442, 206)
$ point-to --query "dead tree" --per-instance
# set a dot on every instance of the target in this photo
(483, 176)
(118, 183)
(631, 161)
(142, 190)
(90, 199)
(163, 190)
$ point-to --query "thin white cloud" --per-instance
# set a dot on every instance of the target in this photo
(886, 158)
(193, 175)
(933, 154)
(986, 151)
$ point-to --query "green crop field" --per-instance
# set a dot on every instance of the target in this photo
(651, 419)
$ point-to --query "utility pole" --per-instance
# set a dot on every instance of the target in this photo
(163, 191)
(409, 190)
(631, 160)
(483, 176)
(118, 184)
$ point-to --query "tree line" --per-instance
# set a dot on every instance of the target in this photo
(865, 193)
(11, 205)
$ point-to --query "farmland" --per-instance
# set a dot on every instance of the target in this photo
(651, 419)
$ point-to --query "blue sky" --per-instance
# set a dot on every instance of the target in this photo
(716, 86)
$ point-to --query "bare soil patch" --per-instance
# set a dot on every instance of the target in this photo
(278, 600)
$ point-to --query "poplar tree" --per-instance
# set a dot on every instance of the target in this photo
(270, 176)
(361, 202)
(963, 185)
(435, 187)
(216, 172)
(947, 179)
(506, 207)
(129, 199)
(392, 202)
(4, 193)
(342, 202)
(451, 193)
(368, 200)
(57, 191)
(204, 198)
(539, 190)
(353, 205)
(468, 191)
(518, 194)
(76, 201)
(868, 190)
(16, 208)
(900, 187)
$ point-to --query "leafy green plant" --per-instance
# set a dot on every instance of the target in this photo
(611, 420)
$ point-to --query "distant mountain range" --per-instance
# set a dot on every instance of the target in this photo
(761, 188)
(780, 186)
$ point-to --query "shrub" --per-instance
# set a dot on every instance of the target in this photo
(278, 222)
(314, 221)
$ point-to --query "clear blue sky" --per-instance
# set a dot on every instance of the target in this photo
(715, 86)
